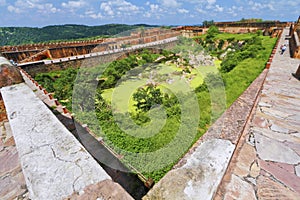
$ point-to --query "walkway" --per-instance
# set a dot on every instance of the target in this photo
(12, 181)
(266, 164)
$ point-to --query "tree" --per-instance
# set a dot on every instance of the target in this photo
(146, 97)
(212, 32)
(208, 23)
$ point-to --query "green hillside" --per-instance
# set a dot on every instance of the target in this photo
(28, 35)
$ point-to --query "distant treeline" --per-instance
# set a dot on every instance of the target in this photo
(28, 35)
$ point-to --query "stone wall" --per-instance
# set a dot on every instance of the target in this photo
(41, 67)
(295, 39)
(31, 53)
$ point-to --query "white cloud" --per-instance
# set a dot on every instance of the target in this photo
(74, 4)
(14, 9)
(235, 10)
(37, 5)
(200, 10)
(106, 8)
(211, 2)
(293, 3)
(260, 6)
(154, 11)
(96, 16)
(119, 7)
(219, 8)
(91, 14)
(154, 7)
(170, 3)
(183, 11)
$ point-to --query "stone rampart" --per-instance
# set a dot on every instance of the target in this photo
(31, 53)
(295, 39)
(76, 61)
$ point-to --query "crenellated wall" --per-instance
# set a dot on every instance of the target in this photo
(36, 52)
(268, 28)
(76, 62)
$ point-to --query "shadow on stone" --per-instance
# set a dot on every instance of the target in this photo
(297, 74)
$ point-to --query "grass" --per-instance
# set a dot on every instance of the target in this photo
(237, 81)
(122, 94)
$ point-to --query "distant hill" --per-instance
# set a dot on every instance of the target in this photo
(27, 35)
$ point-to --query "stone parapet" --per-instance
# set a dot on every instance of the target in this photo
(54, 163)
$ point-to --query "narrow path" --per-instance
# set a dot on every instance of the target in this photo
(267, 165)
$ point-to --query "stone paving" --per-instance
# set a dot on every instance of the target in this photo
(12, 182)
(266, 164)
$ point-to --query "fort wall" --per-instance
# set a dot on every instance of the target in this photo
(295, 39)
(36, 52)
(93, 59)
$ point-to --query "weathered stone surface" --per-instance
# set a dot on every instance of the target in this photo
(12, 182)
(54, 163)
(276, 113)
(260, 122)
(264, 104)
(246, 157)
(282, 174)
(254, 170)
(9, 161)
(297, 169)
(268, 189)
(239, 189)
(103, 190)
(9, 75)
(280, 137)
(279, 129)
(13, 186)
(275, 134)
(199, 176)
(272, 150)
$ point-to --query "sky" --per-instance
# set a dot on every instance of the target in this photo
(40, 13)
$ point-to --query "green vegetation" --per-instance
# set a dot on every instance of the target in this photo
(60, 83)
(58, 33)
(129, 131)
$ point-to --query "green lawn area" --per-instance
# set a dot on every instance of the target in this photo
(226, 36)
(122, 94)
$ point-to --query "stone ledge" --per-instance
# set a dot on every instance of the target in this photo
(199, 176)
(103, 190)
(54, 163)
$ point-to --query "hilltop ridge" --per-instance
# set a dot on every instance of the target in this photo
(29, 35)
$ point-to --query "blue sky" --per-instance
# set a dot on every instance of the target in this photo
(39, 13)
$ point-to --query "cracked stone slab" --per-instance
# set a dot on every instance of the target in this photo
(54, 163)
(283, 173)
(272, 150)
(239, 189)
(271, 189)
(281, 137)
(199, 176)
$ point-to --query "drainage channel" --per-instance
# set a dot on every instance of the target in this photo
(134, 183)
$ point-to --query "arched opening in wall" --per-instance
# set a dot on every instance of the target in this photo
(72, 54)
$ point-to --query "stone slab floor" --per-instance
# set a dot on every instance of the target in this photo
(266, 164)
